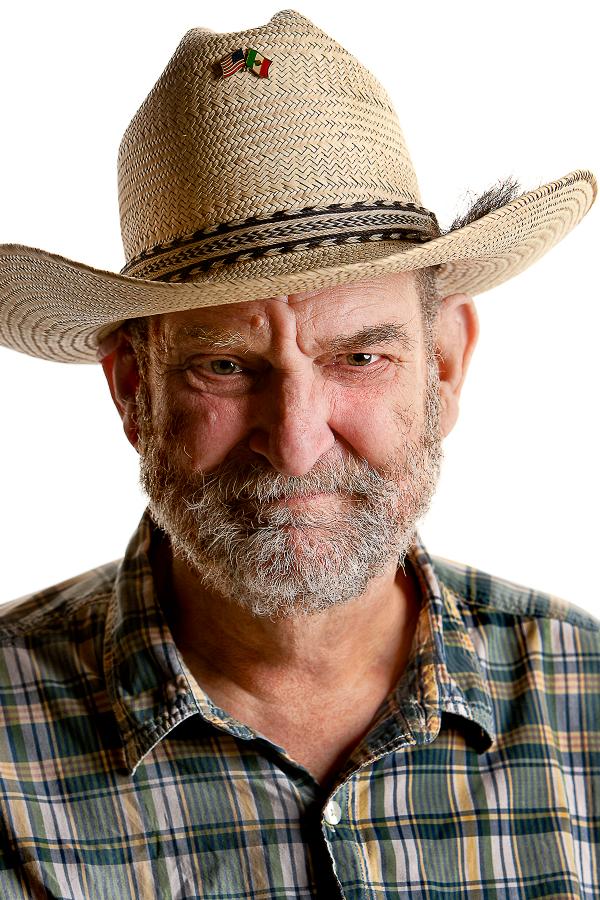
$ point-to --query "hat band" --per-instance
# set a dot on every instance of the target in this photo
(181, 258)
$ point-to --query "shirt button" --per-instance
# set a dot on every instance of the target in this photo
(332, 813)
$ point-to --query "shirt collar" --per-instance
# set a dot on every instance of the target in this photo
(150, 688)
(146, 683)
(151, 692)
(444, 676)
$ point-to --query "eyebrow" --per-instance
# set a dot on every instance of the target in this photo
(385, 333)
(222, 339)
(214, 338)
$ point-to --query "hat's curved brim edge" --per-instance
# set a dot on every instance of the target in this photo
(55, 308)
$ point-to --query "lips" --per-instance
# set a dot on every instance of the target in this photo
(301, 498)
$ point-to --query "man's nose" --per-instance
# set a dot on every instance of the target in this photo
(292, 429)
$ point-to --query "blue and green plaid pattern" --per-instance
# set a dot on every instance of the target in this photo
(479, 778)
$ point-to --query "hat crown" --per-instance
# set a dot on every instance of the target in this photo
(204, 149)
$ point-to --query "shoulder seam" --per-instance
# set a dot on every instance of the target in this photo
(21, 627)
(512, 599)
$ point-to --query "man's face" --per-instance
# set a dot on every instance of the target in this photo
(288, 446)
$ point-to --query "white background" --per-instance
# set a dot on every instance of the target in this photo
(482, 92)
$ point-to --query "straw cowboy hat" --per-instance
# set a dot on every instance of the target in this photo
(263, 162)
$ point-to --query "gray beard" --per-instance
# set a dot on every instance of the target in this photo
(284, 561)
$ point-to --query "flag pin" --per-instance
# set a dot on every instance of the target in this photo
(250, 59)
(257, 63)
(233, 62)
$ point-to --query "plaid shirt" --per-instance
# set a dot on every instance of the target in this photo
(479, 778)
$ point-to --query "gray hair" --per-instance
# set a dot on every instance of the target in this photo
(495, 197)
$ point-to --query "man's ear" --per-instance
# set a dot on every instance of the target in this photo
(119, 363)
(457, 332)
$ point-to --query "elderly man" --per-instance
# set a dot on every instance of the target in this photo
(278, 692)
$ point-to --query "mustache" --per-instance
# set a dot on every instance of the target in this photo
(238, 481)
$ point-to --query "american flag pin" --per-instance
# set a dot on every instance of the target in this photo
(257, 63)
(233, 62)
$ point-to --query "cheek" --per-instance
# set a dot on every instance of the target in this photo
(378, 423)
(207, 427)
(370, 426)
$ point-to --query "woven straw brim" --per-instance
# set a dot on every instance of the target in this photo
(57, 309)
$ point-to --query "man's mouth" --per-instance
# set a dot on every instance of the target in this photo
(299, 499)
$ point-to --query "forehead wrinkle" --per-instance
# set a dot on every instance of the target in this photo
(366, 286)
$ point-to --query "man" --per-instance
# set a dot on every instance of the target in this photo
(277, 692)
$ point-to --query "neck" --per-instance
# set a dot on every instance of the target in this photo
(225, 646)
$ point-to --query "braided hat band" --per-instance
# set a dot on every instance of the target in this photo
(283, 232)
(264, 162)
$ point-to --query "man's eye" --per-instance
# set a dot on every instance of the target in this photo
(360, 359)
(224, 367)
